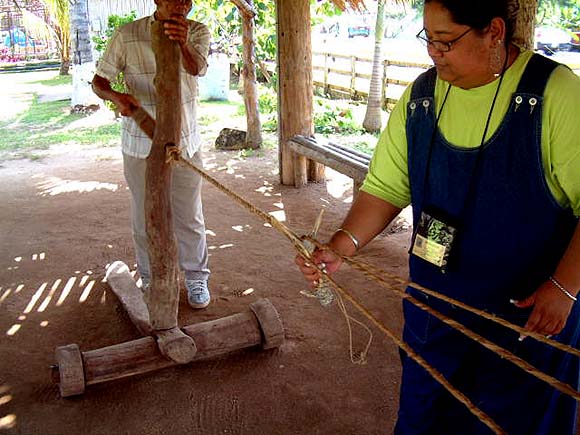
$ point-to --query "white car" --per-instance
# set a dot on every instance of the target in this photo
(552, 39)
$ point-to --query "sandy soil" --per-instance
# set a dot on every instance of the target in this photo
(65, 217)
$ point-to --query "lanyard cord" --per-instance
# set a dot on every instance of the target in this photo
(429, 152)
(479, 151)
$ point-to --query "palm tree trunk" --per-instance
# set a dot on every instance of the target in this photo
(64, 67)
(59, 13)
(79, 25)
(372, 122)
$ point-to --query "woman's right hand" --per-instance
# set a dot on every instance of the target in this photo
(324, 258)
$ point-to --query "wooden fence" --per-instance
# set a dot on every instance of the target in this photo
(350, 75)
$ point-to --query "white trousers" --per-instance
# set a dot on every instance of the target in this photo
(186, 208)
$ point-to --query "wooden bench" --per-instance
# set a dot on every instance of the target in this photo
(352, 163)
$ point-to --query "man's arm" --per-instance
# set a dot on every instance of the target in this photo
(127, 104)
(193, 62)
(177, 29)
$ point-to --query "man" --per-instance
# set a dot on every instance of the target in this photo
(131, 53)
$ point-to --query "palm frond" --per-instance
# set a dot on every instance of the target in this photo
(36, 26)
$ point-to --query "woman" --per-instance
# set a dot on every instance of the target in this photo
(484, 146)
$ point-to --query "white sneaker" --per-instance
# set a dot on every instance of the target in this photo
(197, 293)
(145, 284)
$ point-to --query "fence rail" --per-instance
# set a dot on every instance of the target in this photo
(350, 75)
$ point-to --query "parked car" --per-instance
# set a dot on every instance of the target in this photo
(552, 39)
(575, 41)
(347, 25)
(358, 29)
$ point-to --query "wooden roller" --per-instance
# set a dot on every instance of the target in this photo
(75, 369)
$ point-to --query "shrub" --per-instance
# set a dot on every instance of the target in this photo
(101, 42)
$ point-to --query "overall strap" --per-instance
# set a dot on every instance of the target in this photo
(536, 75)
(424, 85)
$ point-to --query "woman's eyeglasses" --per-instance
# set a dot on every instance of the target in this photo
(442, 46)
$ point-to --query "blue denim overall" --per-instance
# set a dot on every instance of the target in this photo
(511, 236)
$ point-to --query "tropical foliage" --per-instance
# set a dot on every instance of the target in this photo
(57, 26)
(113, 22)
(59, 12)
(101, 42)
(560, 13)
(224, 21)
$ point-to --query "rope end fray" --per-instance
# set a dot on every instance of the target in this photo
(172, 152)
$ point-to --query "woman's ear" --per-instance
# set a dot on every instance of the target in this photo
(497, 31)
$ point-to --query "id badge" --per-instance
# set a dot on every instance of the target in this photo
(433, 240)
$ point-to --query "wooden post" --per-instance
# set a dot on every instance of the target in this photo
(385, 83)
(352, 76)
(75, 369)
(132, 298)
(295, 88)
(326, 68)
(164, 294)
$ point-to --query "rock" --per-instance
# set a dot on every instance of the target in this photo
(231, 139)
(85, 110)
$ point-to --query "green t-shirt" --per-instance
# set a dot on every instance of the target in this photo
(462, 123)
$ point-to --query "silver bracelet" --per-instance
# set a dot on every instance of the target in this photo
(562, 289)
(351, 236)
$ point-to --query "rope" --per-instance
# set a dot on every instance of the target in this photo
(375, 273)
(370, 270)
(297, 243)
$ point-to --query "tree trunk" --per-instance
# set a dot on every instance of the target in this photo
(64, 66)
(254, 127)
(526, 23)
(372, 122)
(79, 26)
(295, 90)
(84, 67)
(164, 295)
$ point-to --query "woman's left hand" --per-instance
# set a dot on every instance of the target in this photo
(550, 312)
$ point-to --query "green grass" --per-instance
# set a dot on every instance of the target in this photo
(55, 81)
(42, 125)
(45, 124)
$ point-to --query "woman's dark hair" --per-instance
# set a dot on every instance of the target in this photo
(479, 13)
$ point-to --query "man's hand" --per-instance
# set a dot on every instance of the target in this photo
(177, 29)
(551, 309)
(127, 104)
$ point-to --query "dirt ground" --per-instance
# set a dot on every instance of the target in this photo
(65, 217)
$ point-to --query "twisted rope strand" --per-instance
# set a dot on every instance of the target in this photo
(368, 269)
(376, 272)
(297, 243)
(419, 360)
(524, 365)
